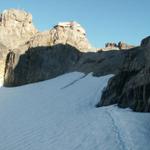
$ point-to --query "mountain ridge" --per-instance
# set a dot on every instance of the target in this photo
(65, 48)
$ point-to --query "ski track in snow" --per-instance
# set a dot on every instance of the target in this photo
(73, 82)
(60, 114)
(119, 138)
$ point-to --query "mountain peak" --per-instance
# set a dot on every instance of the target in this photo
(71, 33)
(73, 25)
(16, 27)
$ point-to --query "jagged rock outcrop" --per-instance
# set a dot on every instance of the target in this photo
(115, 46)
(18, 34)
(111, 45)
(123, 46)
(41, 63)
(16, 28)
(70, 33)
(130, 87)
(64, 36)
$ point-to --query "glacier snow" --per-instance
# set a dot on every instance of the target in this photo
(60, 114)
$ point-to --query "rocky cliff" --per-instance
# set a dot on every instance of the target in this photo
(17, 31)
(26, 43)
(70, 33)
(18, 34)
(16, 28)
(41, 63)
(130, 87)
(28, 56)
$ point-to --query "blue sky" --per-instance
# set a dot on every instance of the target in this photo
(104, 20)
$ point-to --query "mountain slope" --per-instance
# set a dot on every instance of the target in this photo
(60, 114)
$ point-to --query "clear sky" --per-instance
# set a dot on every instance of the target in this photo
(103, 20)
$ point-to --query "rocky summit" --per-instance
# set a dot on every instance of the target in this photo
(114, 46)
(16, 28)
(63, 33)
(18, 34)
(28, 56)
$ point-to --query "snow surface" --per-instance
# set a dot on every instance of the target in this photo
(60, 114)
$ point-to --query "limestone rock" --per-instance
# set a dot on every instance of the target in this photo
(18, 34)
(123, 46)
(15, 28)
(63, 33)
(3, 54)
(115, 46)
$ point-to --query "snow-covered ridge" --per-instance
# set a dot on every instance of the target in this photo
(60, 114)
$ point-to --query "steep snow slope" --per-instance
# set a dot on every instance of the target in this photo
(59, 114)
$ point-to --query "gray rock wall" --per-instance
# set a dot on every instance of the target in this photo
(131, 86)
(40, 63)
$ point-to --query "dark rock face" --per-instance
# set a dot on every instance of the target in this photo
(146, 42)
(130, 87)
(43, 63)
(39, 64)
(101, 63)
(122, 91)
